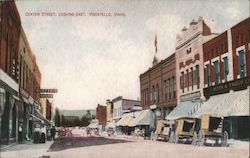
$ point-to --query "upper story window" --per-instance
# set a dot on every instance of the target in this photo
(217, 72)
(197, 67)
(158, 93)
(226, 69)
(208, 75)
(192, 78)
(182, 81)
(187, 80)
(174, 87)
(242, 62)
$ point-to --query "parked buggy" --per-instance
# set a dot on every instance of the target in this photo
(163, 129)
(211, 128)
(186, 129)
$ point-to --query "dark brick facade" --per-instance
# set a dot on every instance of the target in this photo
(212, 49)
(101, 114)
(217, 48)
(241, 37)
(10, 27)
(158, 85)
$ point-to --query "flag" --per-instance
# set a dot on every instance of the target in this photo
(155, 43)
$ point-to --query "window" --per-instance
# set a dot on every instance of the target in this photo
(147, 96)
(182, 81)
(217, 72)
(242, 63)
(187, 80)
(169, 89)
(226, 69)
(197, 67)
(155, 94)
(208, 75)
(192, 78)
(165, 89)
(151, 95)
(158, 94)
(174, 87)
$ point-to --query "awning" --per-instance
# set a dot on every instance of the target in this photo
(93, 125)
(110, 125)
(41, 117)
(229, 104)
(126, 121)
(146, 117)
(25, 100)
(184, 109)
(120, 122)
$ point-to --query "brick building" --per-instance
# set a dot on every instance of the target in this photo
(158, 87)
(10, 27)
(227, 57)
(227, 76)
(101, 115)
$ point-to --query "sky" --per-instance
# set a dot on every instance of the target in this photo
(93, 58)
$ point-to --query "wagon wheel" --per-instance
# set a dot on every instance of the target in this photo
(194, 140)
(171, 137)
(224, 139)
(201, 137)
(176, 138)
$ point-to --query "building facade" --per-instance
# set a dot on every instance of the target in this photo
(109, 105)
(227, 74)
(226, 57)
(101, 115)
(158, 87)
(10, 27)
(189, 60)
(121, 106)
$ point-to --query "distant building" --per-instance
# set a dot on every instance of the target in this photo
(121, 106)
(77, 113)
(101, 115)
(109, 105)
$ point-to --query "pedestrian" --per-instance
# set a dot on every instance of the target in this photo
(53, 132)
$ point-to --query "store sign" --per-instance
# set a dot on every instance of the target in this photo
(235, 85)
(46, 95)
(48, 90)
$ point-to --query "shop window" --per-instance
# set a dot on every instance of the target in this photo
(217, 72)
(226, 69)
(242, 63)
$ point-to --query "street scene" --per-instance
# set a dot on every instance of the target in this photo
(124, 79)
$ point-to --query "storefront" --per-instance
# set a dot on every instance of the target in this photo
(9, 109)
(231, 100)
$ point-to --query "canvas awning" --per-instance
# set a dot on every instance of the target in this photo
(146, 117)
(110, 125)
(93, 125)
(228, 104)
(184, 109)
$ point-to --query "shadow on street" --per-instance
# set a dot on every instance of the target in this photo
(75, 142)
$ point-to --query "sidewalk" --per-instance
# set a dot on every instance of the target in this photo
(26, 150)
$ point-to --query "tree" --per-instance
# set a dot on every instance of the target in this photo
(57, 118)
(85, 120)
